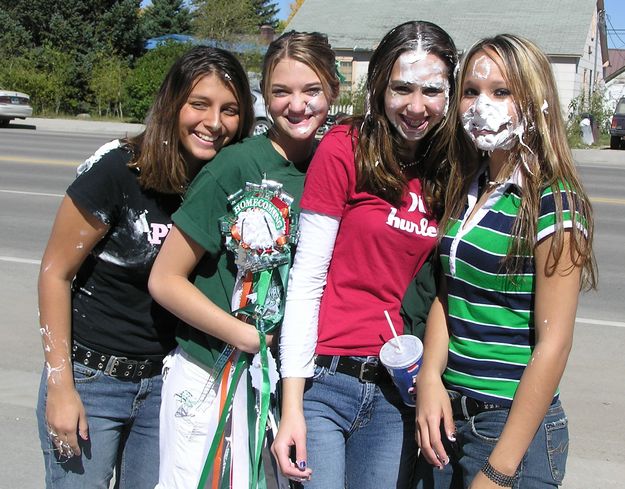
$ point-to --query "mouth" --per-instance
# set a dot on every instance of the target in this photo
(414, 125)
(206, 138)
(297, 120)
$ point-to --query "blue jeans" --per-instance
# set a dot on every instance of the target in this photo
(123, 433)
(542, 466)
(359, 435)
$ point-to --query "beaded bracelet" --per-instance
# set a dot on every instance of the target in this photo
(497, 477)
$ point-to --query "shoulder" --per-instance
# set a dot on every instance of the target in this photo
(234, 165)
(112, 154)
(340, 136)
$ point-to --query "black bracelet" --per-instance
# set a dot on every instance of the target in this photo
(497, 477)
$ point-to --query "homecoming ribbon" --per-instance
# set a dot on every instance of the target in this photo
(260, 231)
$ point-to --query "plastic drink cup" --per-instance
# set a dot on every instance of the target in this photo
(403, 363)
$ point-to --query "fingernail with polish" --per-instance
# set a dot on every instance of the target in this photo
(451, 437)
(301, 464)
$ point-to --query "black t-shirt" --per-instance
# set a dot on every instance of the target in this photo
(112, 310)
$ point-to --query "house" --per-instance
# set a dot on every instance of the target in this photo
(565, 29)
(615, 77)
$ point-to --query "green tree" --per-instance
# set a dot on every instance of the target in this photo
(145, 79)
(266, 12)
(166, 17)
(80, 26)
(107, 83)
(14, 39)
(224, 20)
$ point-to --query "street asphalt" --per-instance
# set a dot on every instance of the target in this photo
(595, 404)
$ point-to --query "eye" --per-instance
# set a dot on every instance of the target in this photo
(401, 89)
(279, 92)
(469, 92)
(432, 91)
(502, 92)
(231, 110)
(199, 105)
(314, 91)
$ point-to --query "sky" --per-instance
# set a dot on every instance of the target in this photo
(615, 19)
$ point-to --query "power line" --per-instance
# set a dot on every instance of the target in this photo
(614, 31)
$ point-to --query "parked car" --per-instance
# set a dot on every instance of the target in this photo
(262, 122)
(617, 129)
(14, 105)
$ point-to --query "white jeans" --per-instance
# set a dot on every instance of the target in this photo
(186, 422)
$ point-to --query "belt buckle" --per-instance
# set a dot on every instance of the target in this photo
(111, 365)
(367, 368)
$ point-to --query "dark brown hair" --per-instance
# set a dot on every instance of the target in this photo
(157, 151)
(377, 152)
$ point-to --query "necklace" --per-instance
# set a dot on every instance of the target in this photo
(403, 165)
(493, 183)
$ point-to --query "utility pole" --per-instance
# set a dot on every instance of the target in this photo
(598, 30)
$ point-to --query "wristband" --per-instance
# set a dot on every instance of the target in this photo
(497, 477)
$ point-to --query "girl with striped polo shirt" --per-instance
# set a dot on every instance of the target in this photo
(515, 248)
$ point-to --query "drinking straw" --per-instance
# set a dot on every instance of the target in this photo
(390, 323)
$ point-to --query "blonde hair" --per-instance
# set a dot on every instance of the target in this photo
(543, 157)
(309, 48)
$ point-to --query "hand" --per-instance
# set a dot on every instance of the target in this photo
(292, 434)
(480, 481)
(433, 408)
(66, 418)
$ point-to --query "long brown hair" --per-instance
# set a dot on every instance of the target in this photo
(543, 157)
(377, 151)
(157, 150)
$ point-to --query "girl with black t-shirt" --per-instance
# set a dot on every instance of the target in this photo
(104, 338)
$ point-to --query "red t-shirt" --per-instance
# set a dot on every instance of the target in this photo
(378, 250)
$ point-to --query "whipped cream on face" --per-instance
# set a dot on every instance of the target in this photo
(482, 67)
(490, 126)
(308, 122)
(425, 75)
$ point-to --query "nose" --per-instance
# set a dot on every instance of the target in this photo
(298, 102)
(416, 104)
(212, 119)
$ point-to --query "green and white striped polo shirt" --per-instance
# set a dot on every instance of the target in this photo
(491, 316)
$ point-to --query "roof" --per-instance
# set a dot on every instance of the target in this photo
(237, 47)
(559, 27)
(617, 63)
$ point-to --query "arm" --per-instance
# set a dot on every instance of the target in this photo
(554, 317)
(299, 334)
(169, 285)
(74, 234)
(433, 405)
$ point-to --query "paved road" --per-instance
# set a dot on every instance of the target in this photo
(37, 161)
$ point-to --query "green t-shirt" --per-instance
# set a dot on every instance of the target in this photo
(206, 201)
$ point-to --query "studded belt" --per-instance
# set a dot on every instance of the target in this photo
(119, 367)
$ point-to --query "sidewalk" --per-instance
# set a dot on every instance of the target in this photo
(82, 126)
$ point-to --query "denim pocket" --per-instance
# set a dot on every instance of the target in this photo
(557, 433)
(319, 373)
(487, 426)
(84, 374)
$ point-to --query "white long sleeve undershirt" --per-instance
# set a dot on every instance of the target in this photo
(307, 280)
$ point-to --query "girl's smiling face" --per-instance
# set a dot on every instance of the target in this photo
(297, 103)
(417, 95)
(487, 109)
(208, 120)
